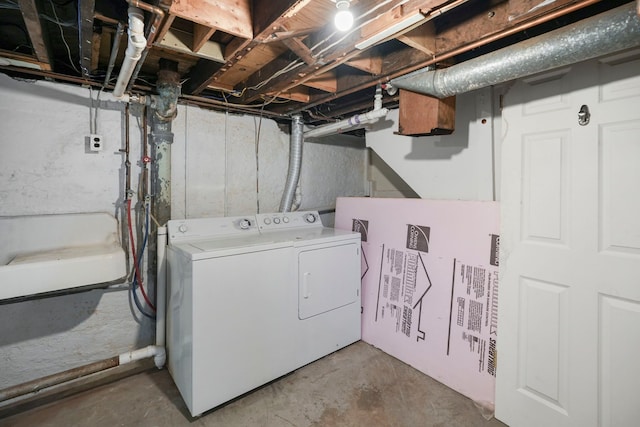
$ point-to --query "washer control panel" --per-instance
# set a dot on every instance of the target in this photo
(280, 221)
(186, 229)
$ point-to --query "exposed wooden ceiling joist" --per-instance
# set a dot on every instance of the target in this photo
(284, 52)
(233, 17)
(266, 22)
(34, 29)
(327, 82)
(85, 35)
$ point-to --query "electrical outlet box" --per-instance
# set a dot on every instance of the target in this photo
(96, 143)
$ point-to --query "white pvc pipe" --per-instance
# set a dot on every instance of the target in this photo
(161, 285)
(135, 46)
(158, 354)
(355, 122)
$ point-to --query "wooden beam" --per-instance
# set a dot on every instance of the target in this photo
(327, 82)
(182, 41)
(34, 28)
(229, 16)
(85, 34)
(299, 94)
(25, 58)
(403, 17)
(300, 49)
(96, 42)
(265, 20)
(402, 58)
(232, 49)
(425, 115)
(422, 38)
(342, 50)
(166, 26)
(487, 21)
(201, 35)
(221, 86)
(199, 76)
(369, 62)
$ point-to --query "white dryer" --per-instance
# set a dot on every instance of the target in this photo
(253, 298)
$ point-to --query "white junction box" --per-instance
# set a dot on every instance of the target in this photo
(430, 286)
(253, 298)
(95, 142)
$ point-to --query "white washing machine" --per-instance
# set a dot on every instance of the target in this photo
(253, 298)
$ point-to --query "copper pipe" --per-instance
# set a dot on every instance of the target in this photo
(59, 378)
(146, 6)
(450, 54)
(62, 77)
(207, 102)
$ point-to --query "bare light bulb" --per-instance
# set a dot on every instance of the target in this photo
(344, 18)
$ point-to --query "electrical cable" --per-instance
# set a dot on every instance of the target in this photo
(62, 36)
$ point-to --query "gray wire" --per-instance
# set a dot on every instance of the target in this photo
(53, 7)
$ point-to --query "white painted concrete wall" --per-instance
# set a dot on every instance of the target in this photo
(458, 166)
(215, 167)
(44, 168)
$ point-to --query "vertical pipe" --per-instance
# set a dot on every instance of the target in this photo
(114, 52)
(295, 163)
(151, 34)
(165, 110)
(162, 138)
(136, 44)
(161, 285)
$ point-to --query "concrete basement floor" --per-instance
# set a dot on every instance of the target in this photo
(356, 386)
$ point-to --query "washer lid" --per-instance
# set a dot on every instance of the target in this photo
(210, 248)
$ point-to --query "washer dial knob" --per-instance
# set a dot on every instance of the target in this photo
(310, 218)
(244, 224)
(276, 220)
(183, 228)
(267, 221)
(285, 219)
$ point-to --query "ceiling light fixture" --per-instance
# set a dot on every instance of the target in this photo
(344, 18)
(399, 26)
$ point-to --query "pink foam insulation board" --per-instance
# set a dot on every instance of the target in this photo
(430, 286)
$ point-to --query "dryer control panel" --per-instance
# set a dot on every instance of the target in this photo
(288, 220)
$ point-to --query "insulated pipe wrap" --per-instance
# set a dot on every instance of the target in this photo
(606, 33)
(295, 163)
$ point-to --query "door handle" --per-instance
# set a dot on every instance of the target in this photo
(305, 285)
(584, 115)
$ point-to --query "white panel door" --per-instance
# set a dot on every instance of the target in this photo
(569, 304)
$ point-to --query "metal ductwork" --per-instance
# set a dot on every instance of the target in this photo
(606, 33)
(295, 163)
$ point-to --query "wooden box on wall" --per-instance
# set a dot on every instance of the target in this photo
(425, 115)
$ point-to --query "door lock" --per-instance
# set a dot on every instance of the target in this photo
(584, 116)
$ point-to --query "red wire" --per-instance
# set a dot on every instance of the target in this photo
(135, 259)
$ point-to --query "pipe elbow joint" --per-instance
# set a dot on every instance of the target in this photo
(160, 358)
